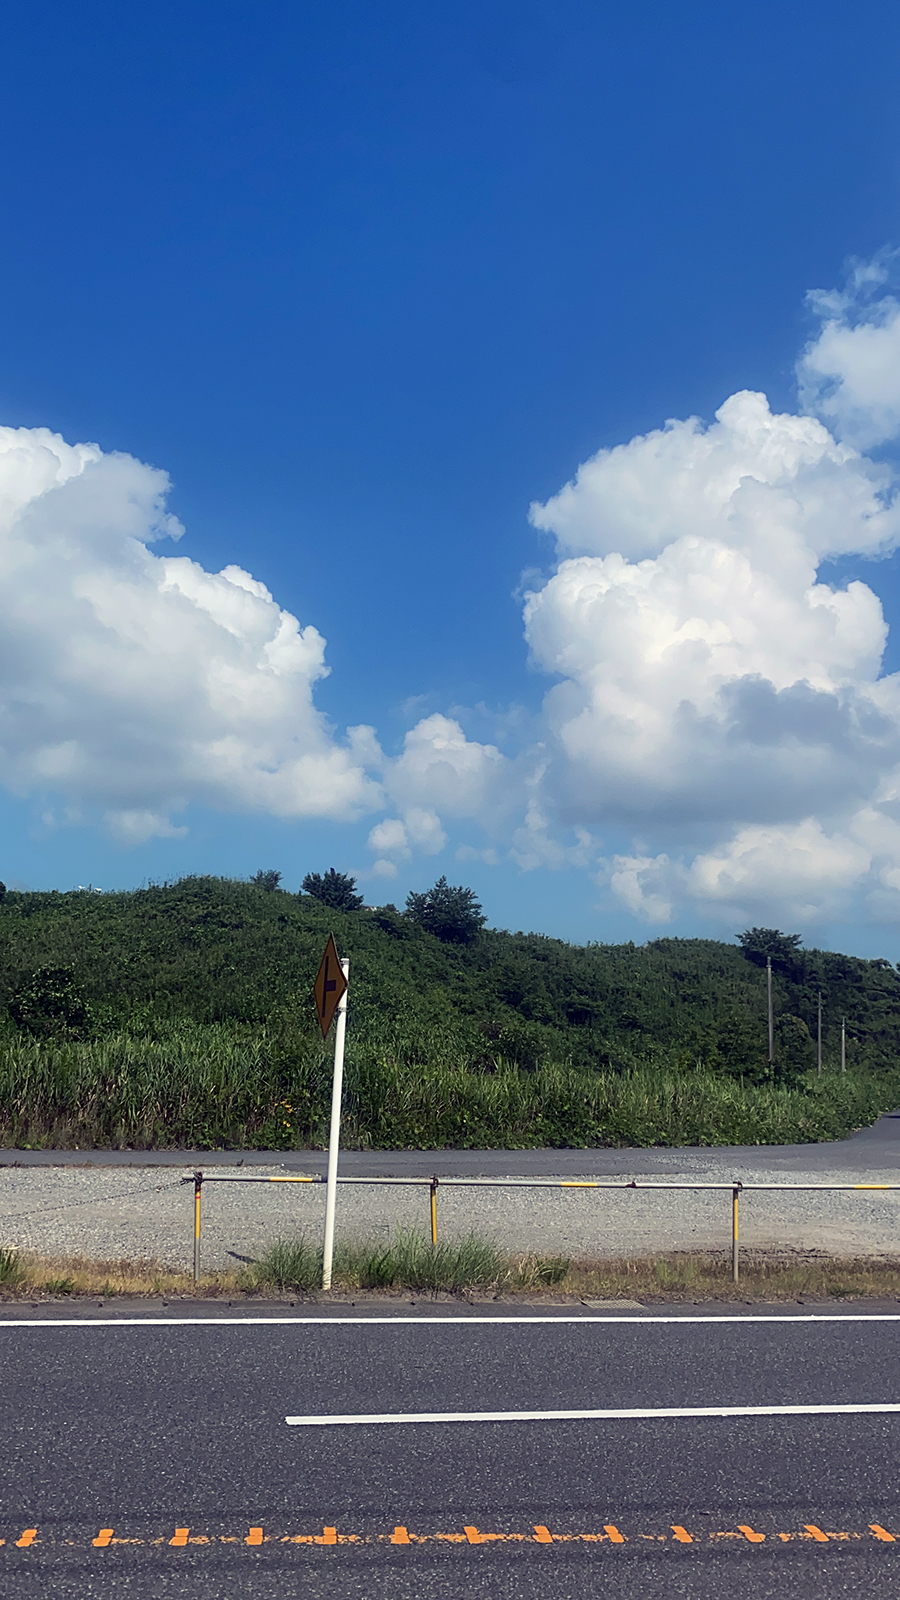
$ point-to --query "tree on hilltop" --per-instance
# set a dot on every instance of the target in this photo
(451, 914)
(268, 880)
(758, 944)
(337, 890)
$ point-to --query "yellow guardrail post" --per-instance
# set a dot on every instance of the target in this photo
(735, 1269)
(434, 1187)
(198, 1185)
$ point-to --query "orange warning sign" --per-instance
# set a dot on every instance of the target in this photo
(330, 986)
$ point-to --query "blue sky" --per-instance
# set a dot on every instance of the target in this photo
(367, 282)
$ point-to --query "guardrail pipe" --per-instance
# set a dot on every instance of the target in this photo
(735, 1186)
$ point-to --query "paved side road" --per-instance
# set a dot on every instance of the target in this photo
(128, 1210)
(157, 1461)
(869, 1150)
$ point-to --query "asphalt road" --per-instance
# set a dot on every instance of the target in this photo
(155, 1460)
(870, 1149)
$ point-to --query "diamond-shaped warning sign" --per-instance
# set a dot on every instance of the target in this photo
(329, 986)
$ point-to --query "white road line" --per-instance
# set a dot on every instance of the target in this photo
(627, 1414)
(585, 1319)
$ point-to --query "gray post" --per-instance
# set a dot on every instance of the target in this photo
(771, 1015)
(843, 1044)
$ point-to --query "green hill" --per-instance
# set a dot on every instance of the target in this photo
(182, 1014)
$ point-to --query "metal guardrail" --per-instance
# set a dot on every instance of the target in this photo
(736, 1188)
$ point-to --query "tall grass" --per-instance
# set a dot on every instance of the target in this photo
(410, 1261)
(233, 1085)
(12, 1270)
(289, 1264)
(187, 1085)
(405, 1261)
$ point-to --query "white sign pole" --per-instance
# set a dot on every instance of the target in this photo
(334, 1139)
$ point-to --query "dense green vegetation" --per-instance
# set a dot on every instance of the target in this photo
(182, 1015)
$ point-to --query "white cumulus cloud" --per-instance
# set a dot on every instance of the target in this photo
(850, 373)
(136, 682)
(714, 691)
(439, 774)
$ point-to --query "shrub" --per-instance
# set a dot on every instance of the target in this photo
(52, 1001)
(391, 922)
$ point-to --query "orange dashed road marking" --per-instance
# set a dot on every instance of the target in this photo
(809, 1533)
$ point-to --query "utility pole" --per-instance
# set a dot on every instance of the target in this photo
(843, 1044)
(771, 1015)
(820, 1034)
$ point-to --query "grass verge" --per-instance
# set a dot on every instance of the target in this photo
(468, 1268)
(678, 1278)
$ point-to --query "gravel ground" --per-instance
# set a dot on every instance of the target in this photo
(141, 1213)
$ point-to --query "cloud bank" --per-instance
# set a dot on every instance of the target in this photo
(720, 735)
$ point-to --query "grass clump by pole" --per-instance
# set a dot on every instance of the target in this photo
(289, 1264)
(410, 1261)
(12, 1269)
(406, 1261)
